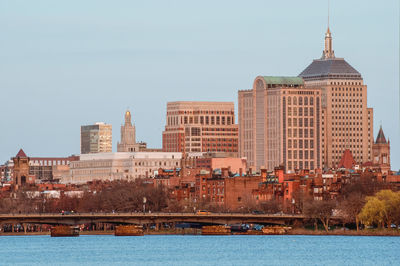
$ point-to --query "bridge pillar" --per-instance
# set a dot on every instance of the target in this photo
(24, 225)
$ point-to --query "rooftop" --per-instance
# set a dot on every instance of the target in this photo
(331, 68)
(286, 81)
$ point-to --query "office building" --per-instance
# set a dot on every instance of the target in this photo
(200, 127)
(96, 138)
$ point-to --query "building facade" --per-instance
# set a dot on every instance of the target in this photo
(347, 122)
(381, 152)
(279, 124)
(120, 166)
(200, 127)
(128, 136)
(21, 174)
(45, 169)
(96, 138)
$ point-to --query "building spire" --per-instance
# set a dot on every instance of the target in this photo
(328, 51)
(128, 118)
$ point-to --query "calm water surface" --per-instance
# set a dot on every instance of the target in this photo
(200, 250)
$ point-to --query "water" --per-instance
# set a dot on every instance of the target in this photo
(199, 250)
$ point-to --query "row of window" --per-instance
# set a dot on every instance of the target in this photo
(299, 111)
(300, 100)
(300, 133)
(300, 154)
(301, 143)
(299, 122)
(300, 165)
(207, 120)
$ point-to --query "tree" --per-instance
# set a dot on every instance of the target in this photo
(270, 206)
(381, 209)
(350, 207)
(372, 212)
(321, 210)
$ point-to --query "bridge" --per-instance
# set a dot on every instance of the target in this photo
(150, 218)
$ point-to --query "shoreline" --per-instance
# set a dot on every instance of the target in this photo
(198, 232)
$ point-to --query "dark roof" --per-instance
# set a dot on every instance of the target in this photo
(21, 154)
(380, 139)
(332, 68)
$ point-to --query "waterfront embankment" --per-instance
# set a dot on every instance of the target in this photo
(193, 231)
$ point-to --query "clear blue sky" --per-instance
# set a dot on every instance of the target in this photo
(64, 64)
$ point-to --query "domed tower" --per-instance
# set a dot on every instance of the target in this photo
(346, 121)
(128, 136)
(381, 152)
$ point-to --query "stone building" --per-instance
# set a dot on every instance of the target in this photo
(21, 174)
(381, 152)
(96, 138)
(200, 127)
(120, 166)
(279, 124)
(346, 122)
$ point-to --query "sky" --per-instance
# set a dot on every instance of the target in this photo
(64, 64)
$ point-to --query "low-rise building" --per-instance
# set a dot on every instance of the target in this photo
(120, 165)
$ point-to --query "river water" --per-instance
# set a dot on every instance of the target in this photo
(199, 250)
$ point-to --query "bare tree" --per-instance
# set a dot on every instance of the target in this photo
(321, 210)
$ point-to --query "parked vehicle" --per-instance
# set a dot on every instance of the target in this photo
(202, 212)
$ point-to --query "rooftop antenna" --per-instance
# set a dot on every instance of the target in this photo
(329, 2)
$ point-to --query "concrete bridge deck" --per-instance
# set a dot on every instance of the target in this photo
(150, 218)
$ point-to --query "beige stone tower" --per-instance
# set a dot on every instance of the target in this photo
(346, 120)
(128, 136)
(381, 152)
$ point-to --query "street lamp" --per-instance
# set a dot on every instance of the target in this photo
(144, 204)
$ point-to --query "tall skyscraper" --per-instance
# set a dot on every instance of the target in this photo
(200, 127)
(279, 124)
(347, 122)
(96, 138)
(128, 136)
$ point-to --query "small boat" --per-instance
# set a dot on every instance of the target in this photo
(129, 230)
(275, 230)
(64, 230)
(216, 230)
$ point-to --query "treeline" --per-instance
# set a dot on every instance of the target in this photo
(115, 196)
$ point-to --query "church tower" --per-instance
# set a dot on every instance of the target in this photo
(21, 174)
(128, 136)
(381, 152)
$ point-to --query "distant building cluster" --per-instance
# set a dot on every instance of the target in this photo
(293, 133)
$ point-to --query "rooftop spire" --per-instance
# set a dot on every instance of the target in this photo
(128, 118)
(380, 139)
(328, 52)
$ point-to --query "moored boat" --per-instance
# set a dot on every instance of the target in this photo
(216, 230)
(128, 230)
(64, 230)
(275, 230)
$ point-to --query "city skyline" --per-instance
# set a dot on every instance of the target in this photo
(76, 103)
